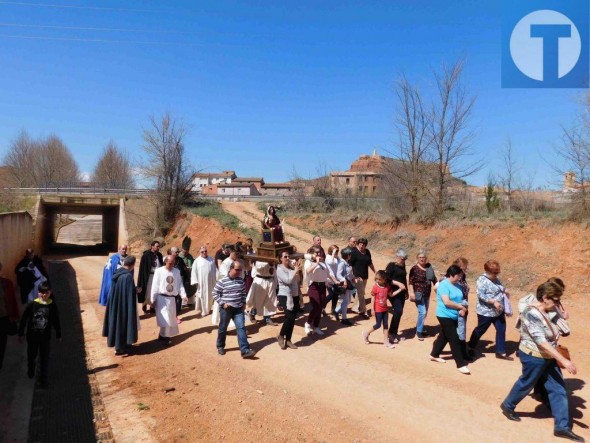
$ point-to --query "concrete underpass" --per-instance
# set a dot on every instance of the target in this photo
(97, 226)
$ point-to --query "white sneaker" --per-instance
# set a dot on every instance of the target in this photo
(464, 370)
(366, 337)
(437, 359)
(318, 331)
(307, 329)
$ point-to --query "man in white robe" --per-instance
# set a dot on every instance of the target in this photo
(225, 265)
(262, 296)
(204, 275)
(166, 285)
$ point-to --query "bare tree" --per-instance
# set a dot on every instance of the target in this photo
(511, 171)
(40, 162)
(449, 130)
(412, 123)
(113, 169)
(167, 167)
(54, 163)
(576, 155)
(20, 161)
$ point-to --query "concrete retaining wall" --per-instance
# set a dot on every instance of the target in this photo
(16, 235)
(123, 232)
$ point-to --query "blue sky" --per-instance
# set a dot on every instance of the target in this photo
(263, 86)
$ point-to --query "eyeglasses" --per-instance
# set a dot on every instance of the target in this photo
(285, 256)
(202, 252)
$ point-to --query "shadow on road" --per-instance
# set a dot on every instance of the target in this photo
(63, 412)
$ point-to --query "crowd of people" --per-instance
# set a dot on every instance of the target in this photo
(235, 283)
(232, 286)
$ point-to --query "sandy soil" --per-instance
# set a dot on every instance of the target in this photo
(333, 388)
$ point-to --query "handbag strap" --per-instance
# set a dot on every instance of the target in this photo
(556, 335)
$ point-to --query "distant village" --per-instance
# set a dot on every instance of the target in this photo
(365, 177)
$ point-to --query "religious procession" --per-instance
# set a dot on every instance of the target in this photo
(268, 284)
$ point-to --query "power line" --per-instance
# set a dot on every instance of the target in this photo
(83, 28)
(95, 8)
(93, 40)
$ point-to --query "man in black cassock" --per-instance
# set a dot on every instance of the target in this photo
(121, 321)
(150, 261)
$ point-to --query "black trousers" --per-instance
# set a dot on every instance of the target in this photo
(332, 297)
(296, 306)
(3, 337)
(448, 334)
(41, 346)
(289, 323)
(398, 310)
(178, 300)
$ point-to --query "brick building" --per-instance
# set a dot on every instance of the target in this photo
(365, 176)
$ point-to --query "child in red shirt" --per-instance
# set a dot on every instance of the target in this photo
(379, 293)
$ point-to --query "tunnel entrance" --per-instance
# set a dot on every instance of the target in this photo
(78, 224)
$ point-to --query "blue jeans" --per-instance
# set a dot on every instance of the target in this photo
(237, 315)
(422, 306)
(381, 319)
(483, 323)
(533, 368)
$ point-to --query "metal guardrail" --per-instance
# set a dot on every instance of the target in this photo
(558, 199)
(79, 190)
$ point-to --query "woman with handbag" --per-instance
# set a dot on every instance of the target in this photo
(491, 295)
(541, 358)
(422, 278)
(8, 313)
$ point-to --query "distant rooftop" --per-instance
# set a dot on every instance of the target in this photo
(248, 179)
(215, 174)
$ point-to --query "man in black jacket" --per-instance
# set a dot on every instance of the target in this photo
(39, 317)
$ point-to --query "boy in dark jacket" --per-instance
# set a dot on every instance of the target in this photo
(39, 317)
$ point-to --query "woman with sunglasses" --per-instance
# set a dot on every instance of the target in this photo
(541, 361)
(288, 278)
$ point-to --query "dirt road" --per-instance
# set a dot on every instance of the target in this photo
(333, 388)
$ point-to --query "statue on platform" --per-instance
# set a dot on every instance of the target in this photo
(273, 240)
(272, 222)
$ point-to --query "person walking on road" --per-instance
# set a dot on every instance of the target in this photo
(361, 262)
(167, 285)
(230, 294)
(39, 318)
(121, 320)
